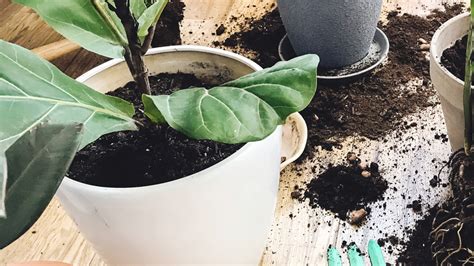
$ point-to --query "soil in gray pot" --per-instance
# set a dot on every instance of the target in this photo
(152, 155)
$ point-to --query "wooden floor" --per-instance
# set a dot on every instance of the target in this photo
(301, 240)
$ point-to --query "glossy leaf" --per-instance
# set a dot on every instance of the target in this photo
(149, 17)
(137, 7)
(37, 163)
(32, 91)
(86, 22)
(247, 109)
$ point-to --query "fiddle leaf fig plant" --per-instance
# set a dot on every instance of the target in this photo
(112, 28)
(32, 91)
(36, 163)
(86, 22)
(47, 116)
(243, 110)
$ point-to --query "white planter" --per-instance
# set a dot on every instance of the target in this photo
(449, 87)
(219, 215)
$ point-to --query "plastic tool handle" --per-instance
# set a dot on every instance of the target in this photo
(375, 254)
(355, 259)
(334, 259)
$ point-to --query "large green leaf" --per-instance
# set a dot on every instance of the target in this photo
(137, 7)
(86, 22)
(33, 90)
(247, 109)
(149, 17)
(37, 163)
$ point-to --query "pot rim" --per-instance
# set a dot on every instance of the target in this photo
(167, 49)
(436, 56)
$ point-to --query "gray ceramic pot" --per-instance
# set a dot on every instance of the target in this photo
(339, 31)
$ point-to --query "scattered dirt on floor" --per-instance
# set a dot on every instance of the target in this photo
(167, 29)
(418, 248)
(345, 188)
(262, 36)
(371, 106)
(444, 235)
(152, 155)
(453, 226)
(454, 58)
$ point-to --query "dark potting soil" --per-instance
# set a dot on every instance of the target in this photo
(167, 29)
(454, 58)
(371, 106)
(453, 226)
(447, 229)
(418, 249)
(152, 155)
(345, 188)
(262, 36)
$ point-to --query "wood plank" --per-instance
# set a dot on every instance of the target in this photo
(53, 237)
(4, 4)
(22, 26)
(56, 50)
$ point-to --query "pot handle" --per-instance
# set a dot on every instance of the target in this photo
(294, 138)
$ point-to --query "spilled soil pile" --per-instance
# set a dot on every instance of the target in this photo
(167, 29)
(373, 105)
(345, 188)
(155, 154)
(262, 36)
(454, 58)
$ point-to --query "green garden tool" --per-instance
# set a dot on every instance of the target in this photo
(355, 258)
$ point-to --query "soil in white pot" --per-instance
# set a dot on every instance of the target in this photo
(454, 58)
(152, 155)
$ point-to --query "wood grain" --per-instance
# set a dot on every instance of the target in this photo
(301, 240)
(56, 50)
(4, 3)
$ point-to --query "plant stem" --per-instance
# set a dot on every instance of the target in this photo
(467, 97)
(133, 53)
(148, 39)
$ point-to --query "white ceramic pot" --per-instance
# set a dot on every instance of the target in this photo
(221, 215)
(448, 86)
